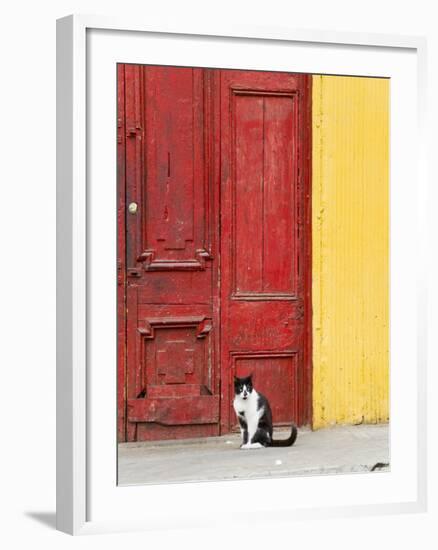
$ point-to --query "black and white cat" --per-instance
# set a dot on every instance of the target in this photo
(255, 417)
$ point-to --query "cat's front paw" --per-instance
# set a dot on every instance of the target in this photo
(245, 446)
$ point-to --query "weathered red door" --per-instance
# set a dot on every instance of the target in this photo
(171, 377)
(265, 302)
(193, 274)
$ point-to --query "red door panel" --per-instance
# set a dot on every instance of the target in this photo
(214, 251)
(171, 380)
(263, 239)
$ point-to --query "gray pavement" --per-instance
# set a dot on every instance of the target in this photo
(341, 449)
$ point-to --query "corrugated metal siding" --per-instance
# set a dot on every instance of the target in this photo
(350, 217)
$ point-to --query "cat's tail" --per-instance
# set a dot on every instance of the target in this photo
(286, 442)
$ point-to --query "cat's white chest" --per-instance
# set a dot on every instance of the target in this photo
(246, 406)
(248, 410)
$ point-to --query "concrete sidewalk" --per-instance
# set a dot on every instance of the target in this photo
(336, 450)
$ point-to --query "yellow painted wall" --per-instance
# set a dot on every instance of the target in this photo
(350, 241)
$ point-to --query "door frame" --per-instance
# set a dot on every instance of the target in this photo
(306, 140)
(305, 179)
(122, 402)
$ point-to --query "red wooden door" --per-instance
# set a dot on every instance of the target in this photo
(265, 300)
(193, 273)
(171, 376)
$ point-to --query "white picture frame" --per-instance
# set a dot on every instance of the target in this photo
(78, 231)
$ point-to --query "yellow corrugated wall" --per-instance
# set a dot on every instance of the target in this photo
(350, 250)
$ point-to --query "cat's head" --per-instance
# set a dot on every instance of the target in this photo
(243, 386)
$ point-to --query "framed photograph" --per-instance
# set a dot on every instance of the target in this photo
(240, 219)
